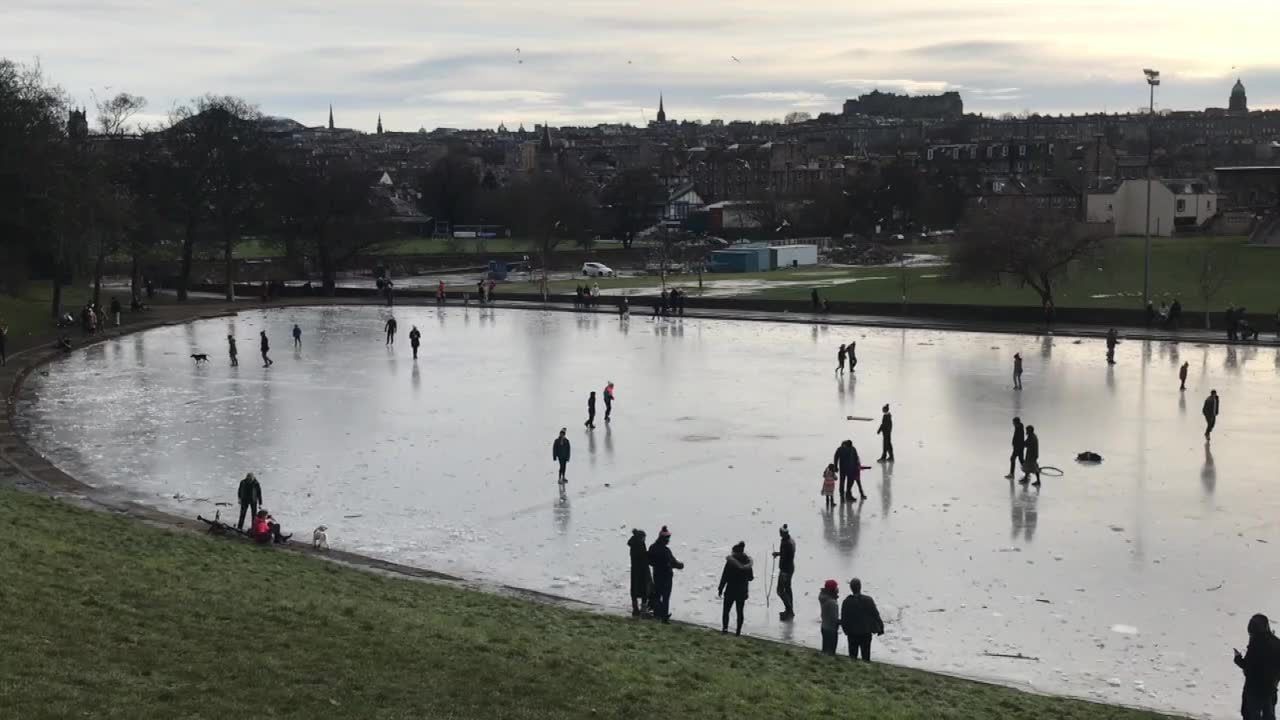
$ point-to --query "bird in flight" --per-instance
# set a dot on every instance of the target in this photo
(519, 58)
(734, 58)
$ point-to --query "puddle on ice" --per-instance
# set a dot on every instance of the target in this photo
(721, 431)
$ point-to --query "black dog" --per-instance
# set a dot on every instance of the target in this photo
(199, 357)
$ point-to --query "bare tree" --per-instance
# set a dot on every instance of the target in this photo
(1214, 266)
(548, 208)
(796, 116)
(1033, 247)
(115, 113)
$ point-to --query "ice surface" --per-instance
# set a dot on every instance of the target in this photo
(721, 431)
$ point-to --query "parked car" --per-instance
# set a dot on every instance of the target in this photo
(595, 269)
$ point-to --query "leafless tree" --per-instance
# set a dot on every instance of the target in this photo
(1214, 266)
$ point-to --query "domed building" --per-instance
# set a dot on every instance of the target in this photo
(1239, 100)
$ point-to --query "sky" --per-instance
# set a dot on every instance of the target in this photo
(478, 63)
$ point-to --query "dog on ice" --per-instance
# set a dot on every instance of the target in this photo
(200, 357)
(319, 540)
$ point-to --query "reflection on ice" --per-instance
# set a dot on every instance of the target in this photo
(1129, 580)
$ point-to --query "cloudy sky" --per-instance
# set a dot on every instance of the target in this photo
(476, 63)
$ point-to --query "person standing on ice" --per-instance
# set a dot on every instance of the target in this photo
(415, 340)
(849, 464)
(840, 359)
(1261, 666)
(734, 581)
(853, 357)
(1017, 371)
(591, 411)
(641, 579)
(297, 337)
(829, 605)
(560, 453)
(1031, 462)
(1210, 410)
(1182, 376)
(786, 555)
(608, 400)
(664, 564)
(860, 619)
(1112, 341)
(1019, 446)
(885, 431)
(390, 329)
(265, 347)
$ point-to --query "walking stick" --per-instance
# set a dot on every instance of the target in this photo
(768, 595)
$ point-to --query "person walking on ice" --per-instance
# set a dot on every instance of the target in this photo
(1113, 339)
(265, 347)
(608, 401)
(1212, 406)
(591, 411)
(734, 582)
(1017, 371)
(560, 453)
(231, 350)
(1031, 463)
(390, 329)
(297, 337)
(849, 467)
(1182, 376)
(840, 359)
(829, 485)
(885, 431)
(1019, 447)
(415, 339)
(853, 357)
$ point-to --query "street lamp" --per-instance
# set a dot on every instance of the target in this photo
(1153, 79)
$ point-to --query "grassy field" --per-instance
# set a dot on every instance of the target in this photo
(105, 617)
(29, 314)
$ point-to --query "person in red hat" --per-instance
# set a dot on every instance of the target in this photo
(828, 602)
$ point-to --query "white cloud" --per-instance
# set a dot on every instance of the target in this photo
(485, 97)
(794, 98)
(901, 84)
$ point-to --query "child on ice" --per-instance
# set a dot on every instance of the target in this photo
(829, 485)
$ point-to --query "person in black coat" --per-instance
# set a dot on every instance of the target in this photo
(641, 580)
(860, 619)
(591, 411)
(1031, 460)
(885, 431)
(734, 580)
(250, 496)
(390, 329)
(560, 453)
(786, 555)
(1261, 666)
(1210, 411)
(849, 465)
(265, 347)
(664, 565)
(1019, 446)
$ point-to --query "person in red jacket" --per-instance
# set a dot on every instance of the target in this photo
(265, 529)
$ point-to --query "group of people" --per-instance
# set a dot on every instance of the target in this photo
(93, 318)
(669, 303)
(1026, 453)
(1170, 316)
(484, 293)
(586, 296)
(847, 352)
(1238, 326)
(263, 528)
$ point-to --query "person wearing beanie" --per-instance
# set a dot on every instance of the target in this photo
(664, 564)
(828, 603)
(860, 619)
(641, 580)
(786, 555)
(734, 581)
(885, 431)
(608, 401)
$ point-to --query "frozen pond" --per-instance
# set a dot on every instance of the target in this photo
(1130, 581)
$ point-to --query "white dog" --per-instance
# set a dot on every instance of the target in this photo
(319, 540)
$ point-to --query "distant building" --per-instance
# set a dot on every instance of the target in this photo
(1175, 204)
(662, 111)
(1239, 102)
(948, 105)
(77, 125)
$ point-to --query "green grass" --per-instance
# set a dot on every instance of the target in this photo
(105, 617)
(29, 314)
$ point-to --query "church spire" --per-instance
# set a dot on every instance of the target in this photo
(330, 116)
(662, 112)
(379, 123)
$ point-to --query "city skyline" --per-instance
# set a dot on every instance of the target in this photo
(480, 63)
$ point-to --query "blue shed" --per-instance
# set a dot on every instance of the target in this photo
(740, 260)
